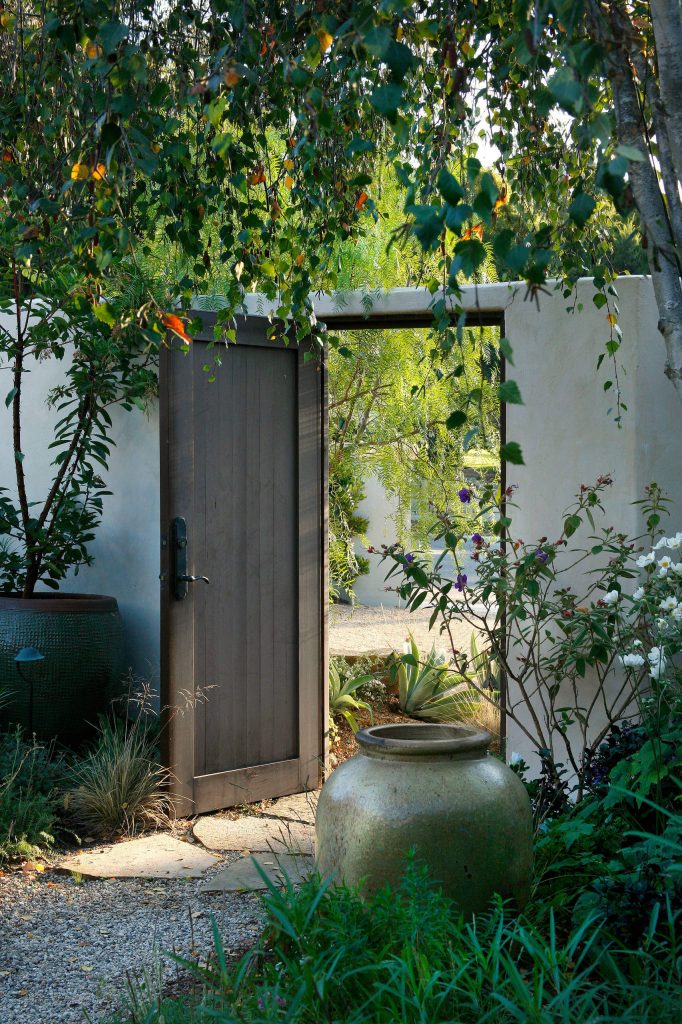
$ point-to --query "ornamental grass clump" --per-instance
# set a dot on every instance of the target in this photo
(119, 788)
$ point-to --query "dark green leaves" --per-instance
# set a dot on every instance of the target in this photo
(449, 187)
(456, 420)
(581, 209)
(509, 392)
(511, 452)
(386, 99)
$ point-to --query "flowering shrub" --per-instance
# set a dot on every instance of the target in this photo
(576, 659)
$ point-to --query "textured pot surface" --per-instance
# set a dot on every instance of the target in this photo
(434, 789)
(81, 639)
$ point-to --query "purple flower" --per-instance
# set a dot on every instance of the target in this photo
(464, 495)
(409, 558)
(477, 539)
(461, 582)
(541, 555)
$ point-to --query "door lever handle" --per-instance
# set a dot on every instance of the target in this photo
(178, 560)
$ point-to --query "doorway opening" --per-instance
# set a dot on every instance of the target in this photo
(398, 460)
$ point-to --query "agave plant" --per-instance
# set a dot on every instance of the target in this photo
(341, 699)
(427, 689)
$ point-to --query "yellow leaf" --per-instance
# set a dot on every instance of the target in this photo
(299, 259)
(86, 967)
(612, 319)
(231, 77)
(92, 50)
(288, 165)
(80, 172)
(99, 172)
(399, 33)
(361, 200)
(325, 40)
(238, 270)
(289, 181)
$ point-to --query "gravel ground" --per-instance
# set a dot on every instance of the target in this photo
(379, 630)
(67, 948)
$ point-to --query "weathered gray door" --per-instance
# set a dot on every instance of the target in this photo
(244, 671)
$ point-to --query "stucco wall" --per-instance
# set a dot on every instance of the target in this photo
(126, 549)
(564, 428)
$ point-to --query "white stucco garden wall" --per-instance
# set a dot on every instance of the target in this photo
(126, 549)
(565, 429)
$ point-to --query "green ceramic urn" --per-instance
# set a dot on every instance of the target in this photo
(436, 790)
(61, 662)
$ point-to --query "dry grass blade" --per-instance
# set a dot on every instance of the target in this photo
(119, 787)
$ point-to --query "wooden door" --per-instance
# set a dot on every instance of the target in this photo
(244, 658)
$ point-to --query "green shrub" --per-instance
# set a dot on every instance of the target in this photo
(342, 688)
(30, 776)
(427, 689)
(407, 956)
(119, 787)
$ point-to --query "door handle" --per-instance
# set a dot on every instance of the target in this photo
(180, 576)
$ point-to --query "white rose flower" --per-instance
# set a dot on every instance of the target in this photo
(657, 662)
(632, 660)
(664, 564)
(674, 543)
(645, 560)
(676, 567)
(662, 543)
(611, 597)
(668, 604)
(638, 594)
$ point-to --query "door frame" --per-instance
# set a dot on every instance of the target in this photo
(240, 785)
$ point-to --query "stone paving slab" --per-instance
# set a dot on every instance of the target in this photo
(153, 856)
(243, 876)
(299, 807)
(255, 835)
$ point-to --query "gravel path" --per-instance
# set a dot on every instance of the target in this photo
(379, 630)
(67, 948)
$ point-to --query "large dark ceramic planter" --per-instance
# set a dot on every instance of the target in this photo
(435, 790)
(81, 639)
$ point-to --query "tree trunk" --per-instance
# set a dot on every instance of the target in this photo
(667, 23)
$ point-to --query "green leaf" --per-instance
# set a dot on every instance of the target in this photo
(469, 255)
(456, 419)
(449, 187)
(509, 392)
(566, 91)
(105, 313)
(9, 398)
(506, 350)
(511, 452)
(581, 209)
(631, 153)
(571, 524)
(386, 99)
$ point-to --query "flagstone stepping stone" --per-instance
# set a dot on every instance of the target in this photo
(299, 807)
(243, 876)
(261, 835)
(154, 856)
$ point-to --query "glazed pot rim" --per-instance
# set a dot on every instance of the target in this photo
(412, 739)
(58, 601)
